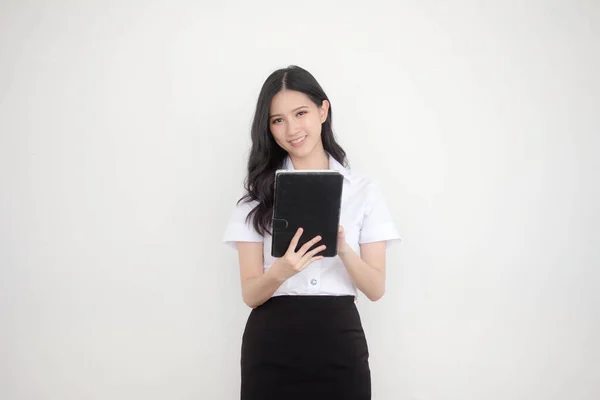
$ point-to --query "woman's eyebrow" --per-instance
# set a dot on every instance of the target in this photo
(295, 109)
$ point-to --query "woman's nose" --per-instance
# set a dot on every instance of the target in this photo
(292, 127)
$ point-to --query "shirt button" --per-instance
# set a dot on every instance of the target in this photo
(313, 282)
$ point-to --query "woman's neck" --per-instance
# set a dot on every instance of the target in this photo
(318, 159)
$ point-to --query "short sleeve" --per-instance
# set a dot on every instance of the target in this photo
(238, 230)
(378, 224)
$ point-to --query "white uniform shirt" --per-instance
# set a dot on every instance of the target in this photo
(365, 217)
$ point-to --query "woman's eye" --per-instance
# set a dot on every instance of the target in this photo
(301, 113)
(277, 120)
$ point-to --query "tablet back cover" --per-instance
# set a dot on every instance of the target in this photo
(307, 199)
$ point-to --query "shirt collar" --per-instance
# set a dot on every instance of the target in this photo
(333, 164)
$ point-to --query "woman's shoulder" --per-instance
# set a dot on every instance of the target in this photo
(362, 182)
(378, 223)
(240, 226)
(242, 206)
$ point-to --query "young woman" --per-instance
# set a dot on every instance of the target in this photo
(304, 338)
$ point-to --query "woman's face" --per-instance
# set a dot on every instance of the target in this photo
(295, 122)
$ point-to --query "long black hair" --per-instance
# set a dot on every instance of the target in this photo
(266, 156)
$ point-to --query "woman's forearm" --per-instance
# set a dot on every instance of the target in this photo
(257, 290)
(367, 279)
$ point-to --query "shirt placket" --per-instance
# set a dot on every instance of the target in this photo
(314, 278)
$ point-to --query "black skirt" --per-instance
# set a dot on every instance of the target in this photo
(305, 347)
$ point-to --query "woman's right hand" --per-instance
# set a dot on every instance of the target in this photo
(294, 261)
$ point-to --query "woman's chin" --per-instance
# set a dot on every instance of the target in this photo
(300, 151)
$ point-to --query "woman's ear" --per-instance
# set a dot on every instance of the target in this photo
(324, 110)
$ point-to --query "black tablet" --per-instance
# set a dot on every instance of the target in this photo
(307, 199)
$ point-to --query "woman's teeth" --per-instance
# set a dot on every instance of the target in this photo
(299, 140)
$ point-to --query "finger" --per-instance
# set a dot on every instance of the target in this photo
(309, 244)
(295, 239)
(316, 250)
(341, 235)
(312, 253)
(310, 261)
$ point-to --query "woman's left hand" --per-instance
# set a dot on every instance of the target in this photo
(342, 246)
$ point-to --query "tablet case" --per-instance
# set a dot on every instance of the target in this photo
(310, 199)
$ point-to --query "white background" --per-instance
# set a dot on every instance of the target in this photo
(124, 132)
